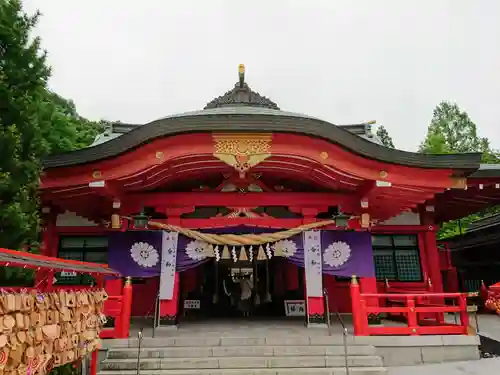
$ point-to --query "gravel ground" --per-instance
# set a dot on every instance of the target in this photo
(481, 367)
(488, 355)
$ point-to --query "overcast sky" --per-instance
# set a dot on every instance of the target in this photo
(345, 61)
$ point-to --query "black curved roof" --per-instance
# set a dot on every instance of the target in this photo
(253, 118)
(242, 109)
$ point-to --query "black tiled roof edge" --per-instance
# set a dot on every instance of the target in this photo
(485, 227)
(486, 173)
(206, 123)
(472, 241)
(485, 222)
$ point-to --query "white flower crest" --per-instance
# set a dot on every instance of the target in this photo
(337, 254)
(197, 250)
(144, 254)
(285, 248)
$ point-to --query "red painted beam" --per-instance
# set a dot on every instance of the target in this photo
(331, 158)
(222, 222)
(239, 199)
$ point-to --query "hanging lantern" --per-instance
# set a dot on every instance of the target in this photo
(365, 220)
(141, 220)
(225, 253)
(243, 254)
(115, 221)
(261, 255)
(341, 220)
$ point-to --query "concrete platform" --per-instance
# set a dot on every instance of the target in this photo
(272, 343)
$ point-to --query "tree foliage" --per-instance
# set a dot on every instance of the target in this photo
(33, 123)
(384, 136)
(452, 131)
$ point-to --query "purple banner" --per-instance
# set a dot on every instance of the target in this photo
(190, 253)
(138, 253)
(135, 253)
(347, 253)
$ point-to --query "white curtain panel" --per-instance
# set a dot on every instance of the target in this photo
(313, 263)
(168, 262)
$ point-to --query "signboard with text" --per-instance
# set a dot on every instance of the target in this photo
(295, 308)
(192, 304)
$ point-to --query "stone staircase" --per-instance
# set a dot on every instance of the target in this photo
(276, 354)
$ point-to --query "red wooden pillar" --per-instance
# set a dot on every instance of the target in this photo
(359, 318)
(464, 314)
(369, 285)
(126, 309)
(431, 249)
(432, 255)
(412, 316)
(93, 362)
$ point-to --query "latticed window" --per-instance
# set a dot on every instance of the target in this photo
(397, 257)
(87, 249)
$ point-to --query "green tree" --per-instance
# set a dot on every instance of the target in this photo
(452, 131)
(384, 136)
(33, 123)
(23, 112)
(70, 131)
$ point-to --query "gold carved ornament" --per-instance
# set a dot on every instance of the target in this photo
(242, 151)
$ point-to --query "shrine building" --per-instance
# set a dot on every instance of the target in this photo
(191, 204)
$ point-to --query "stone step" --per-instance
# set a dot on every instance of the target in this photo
(241, 351)
(240, 362)
(191, 341)
(259, 371)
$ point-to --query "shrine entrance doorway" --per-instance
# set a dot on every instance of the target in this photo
(237, 290)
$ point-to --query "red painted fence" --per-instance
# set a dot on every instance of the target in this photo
(413, 307)
(119, 308)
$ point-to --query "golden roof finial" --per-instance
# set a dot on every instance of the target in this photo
(241, 71)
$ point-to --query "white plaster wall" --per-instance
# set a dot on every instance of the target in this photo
(70, 219)
(405, 218)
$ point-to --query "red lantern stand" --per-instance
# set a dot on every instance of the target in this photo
(45, 268)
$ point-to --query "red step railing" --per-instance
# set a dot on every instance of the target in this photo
(119, 308)
(412, 305)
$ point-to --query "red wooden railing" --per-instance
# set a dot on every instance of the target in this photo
(119, 308)
(113, 309)
(413, 307)
(427, 288)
